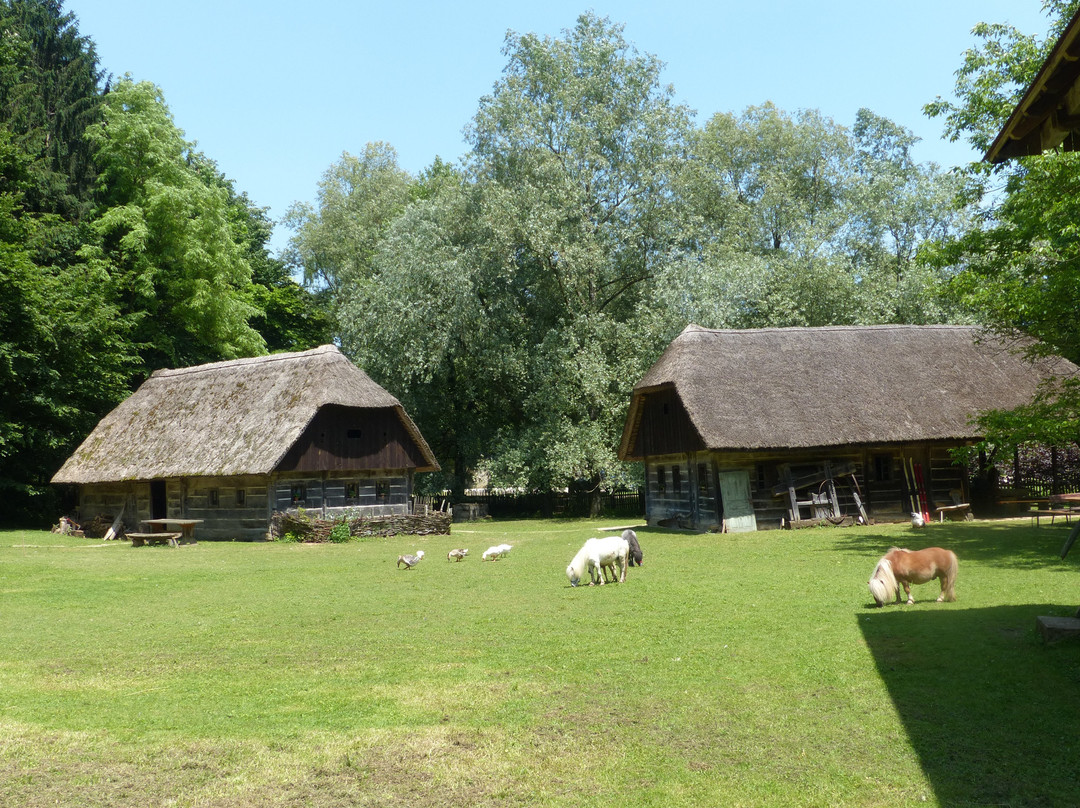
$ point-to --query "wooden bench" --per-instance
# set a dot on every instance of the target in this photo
(1055, 629)
(141, 539)
(958, 510)
(961, 511)
(1053, 513)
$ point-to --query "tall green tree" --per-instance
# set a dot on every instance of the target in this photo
(289, 317)
(164, 236)
(802, 222)
(516, 287)
(1019, 271)
(335, 241)
(576, 154)
(49, 94)
(64, 355)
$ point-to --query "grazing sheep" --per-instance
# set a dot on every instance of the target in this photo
(457, 555)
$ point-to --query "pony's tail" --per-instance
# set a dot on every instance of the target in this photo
(883, 583)
(949, 588)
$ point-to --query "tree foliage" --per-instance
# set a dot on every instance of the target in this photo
(165, 237)
(512, 302)
(122, 250)
(802, 222)
(1020, 269)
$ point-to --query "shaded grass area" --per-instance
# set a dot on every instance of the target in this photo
(742, 669)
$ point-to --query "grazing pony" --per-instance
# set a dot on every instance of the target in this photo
(906, 567)
(635, 548)
(596, 554)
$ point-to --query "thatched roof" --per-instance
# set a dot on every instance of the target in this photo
(225, 418)
(808, 387)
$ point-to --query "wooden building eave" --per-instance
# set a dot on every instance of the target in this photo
(1048, 114)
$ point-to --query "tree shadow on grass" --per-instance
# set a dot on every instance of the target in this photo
(993, 714)
(1012, 543)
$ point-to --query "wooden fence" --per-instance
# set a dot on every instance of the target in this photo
(626, 504)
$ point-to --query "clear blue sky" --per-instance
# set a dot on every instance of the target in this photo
(275, 91)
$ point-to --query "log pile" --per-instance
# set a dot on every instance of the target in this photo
(97, 527)
(309, 529)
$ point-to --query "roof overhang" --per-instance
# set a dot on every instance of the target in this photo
(1048, 115)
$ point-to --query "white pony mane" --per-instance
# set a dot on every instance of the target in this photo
(590, 553)
(883, 582)
(575, 571)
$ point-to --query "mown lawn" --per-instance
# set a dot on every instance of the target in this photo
(731, 670)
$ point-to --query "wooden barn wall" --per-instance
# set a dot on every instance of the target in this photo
(240, 507)
(880, 471)
(665, 427)
(230, 507)
(346, 438)
(130, 501)
(371, 493)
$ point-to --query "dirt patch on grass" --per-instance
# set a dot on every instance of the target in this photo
(420, 768)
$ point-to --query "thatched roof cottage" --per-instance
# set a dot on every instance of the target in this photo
(231, 442)
(758, 428)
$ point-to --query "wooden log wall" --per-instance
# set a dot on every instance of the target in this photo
(883, 487)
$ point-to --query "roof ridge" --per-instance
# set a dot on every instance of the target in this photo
(693, 328)
(244, 361)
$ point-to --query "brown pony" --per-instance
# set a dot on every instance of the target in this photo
(906, 567)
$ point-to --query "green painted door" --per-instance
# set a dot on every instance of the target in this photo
(737, 504)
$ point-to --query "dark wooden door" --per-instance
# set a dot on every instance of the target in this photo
(158, 500)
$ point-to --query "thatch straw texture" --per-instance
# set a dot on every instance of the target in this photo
(783, 388)
(225, 418)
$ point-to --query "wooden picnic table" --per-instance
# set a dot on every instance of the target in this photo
(1066, 505)
(1053, 513)
(185, 526)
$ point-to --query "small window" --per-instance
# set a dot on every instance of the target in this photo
(883, 468)
(676, 480)
(241, 496)
(299, 493)
(382, 490)
(703, 479)
(661, 480)
(212, 498)
(352, 492)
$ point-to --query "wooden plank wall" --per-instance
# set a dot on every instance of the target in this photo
(330, 492)
(665, 427)
(344, 438)
(882, 485)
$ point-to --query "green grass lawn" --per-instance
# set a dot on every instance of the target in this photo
(731, 670)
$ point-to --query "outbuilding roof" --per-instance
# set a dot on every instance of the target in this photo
(809, 387)
(225, 418)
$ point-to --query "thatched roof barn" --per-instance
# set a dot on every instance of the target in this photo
(869, 396)
(252, 423)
